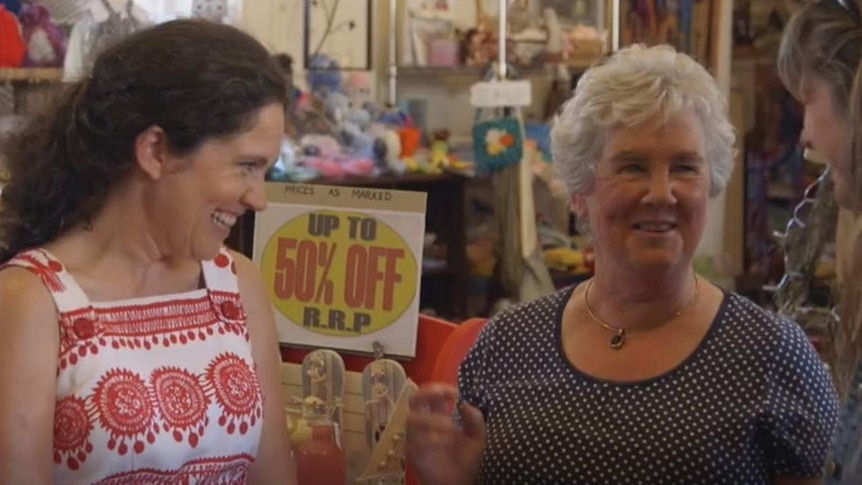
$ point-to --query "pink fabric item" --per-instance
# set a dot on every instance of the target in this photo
(327, 167)
(359, 166)
(443, 53)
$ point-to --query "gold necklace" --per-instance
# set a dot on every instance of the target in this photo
(619, 337)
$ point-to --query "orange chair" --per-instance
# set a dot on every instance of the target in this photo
(455, 349)
(452, 353)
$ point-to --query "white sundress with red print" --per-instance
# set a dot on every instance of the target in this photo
(156, 390)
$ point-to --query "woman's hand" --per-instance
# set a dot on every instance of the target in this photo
(441, 452)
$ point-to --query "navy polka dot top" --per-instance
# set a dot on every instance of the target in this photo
(752, 402)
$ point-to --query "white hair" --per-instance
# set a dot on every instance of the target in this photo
(628, 89)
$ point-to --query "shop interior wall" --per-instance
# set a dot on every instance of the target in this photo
(278, 24)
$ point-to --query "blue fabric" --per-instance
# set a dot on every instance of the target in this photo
(541, 133)
(753, 401)
(848, 441)
(13, 6)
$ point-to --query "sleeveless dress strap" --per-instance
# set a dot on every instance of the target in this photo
(223, 287)
(67, 294)
(77, 319)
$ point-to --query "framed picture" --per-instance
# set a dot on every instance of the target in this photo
(338, 34)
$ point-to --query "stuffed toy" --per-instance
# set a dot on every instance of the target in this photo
(323, 75)
(357, 86)
(214, 10)
(387, 148)
(46, 42)
(337, 106)
(358, 144)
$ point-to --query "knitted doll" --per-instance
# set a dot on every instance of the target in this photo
(46, 42)
(214, 10)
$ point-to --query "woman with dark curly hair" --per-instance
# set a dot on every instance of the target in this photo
(138, 349)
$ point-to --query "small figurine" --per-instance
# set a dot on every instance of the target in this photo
(439, 150)
(213, 10)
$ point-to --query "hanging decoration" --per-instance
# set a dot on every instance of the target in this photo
(811, 226)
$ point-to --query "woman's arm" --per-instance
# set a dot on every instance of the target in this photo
(274, 464)
(28, 378)
(801, 409)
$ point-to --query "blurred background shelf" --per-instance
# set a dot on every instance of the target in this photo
(31, 75)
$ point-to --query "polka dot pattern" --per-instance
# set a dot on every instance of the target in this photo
(753, 401)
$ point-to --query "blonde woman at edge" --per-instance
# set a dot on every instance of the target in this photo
(819, 61)
(647, 373)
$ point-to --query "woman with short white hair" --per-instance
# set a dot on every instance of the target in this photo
(647, 373)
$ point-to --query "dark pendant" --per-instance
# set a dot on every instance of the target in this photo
(618, 340)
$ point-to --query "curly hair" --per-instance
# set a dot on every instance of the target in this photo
(196, 80)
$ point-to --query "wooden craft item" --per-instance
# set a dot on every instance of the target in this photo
(382, 381)
(388, 460)
(323, 375)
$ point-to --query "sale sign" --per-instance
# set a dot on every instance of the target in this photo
(343, 265)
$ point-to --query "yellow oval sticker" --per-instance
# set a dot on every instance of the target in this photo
(337, 273)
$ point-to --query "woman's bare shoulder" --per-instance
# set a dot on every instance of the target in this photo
(22, 293)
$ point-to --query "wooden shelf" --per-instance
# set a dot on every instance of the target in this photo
(579, 63)
(31, 75)
(385, 180)
(457, 71)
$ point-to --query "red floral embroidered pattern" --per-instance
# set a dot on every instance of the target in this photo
(219, 470)
(174, 400)
(125, 409)
(182, 402)
(147, 326)
(236, 389)
(160, 390)
(72, 426)
(46, 271)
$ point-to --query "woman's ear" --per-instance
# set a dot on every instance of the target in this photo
(151, 150)
(579, 206)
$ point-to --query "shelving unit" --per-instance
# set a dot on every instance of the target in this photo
(32, 75)
(475, 72)
(26, 90)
